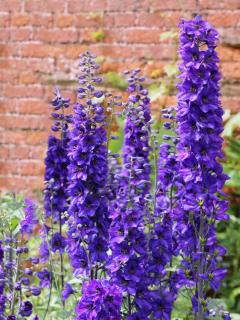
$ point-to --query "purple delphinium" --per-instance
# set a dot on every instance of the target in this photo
(30, 220)
(45, 278)
(58, 242)
(161, 241)
(67, 291)
(25, 309)
(127, 238)
(100, 300)
(88, 210)
(56, 161)
(200, 175)
(56, 180)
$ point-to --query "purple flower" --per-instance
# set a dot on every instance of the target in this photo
(35, 291)
(127, 239)
(200, 175)
(45, 278)
(67, 291)
(44, 251)
(88, 174)
(100, 300)
(30, 219)
(25, 309)
(58, 242)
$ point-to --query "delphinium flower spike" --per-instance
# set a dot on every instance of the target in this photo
(88, 171)
(56, 180)
(127, 238)
(161, 242)
(201, 177)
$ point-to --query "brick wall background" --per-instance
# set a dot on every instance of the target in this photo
(40, 41)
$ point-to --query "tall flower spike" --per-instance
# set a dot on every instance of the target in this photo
(161, 243)
(56, 177)
(127, 238)
(56, 161)
(201, 177)
(89, 222)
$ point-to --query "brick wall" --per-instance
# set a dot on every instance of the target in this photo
(40, 41)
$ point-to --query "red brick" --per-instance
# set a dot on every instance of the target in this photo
(137, 35)
(88, 20)
(42, 20)
(28, 78)
(61, 36)
(4, 152)
(63, 21)
(228, 54)
(125, 19)
(117, 51)
(45, 6)
(4, 20)
(36, 138)
(9, 75)
(41, 50)
(8, 106)
(20, 19)
(42, 66)
(26, 122)
(23, 91)
(31, 106)
(13, 183)
(8, 50)
(19, 152)
(30, 168)
(223, 4)
(173, 5)
(122, 5)
(74, 50)
(231, 103)
(158, 19)
(75, 6)
(8, 167)
(13, 63)
(20, 34)
(230, 70)
(37, 152)
(229, 19)
(13, 137)
(10, 5)
(4, 34)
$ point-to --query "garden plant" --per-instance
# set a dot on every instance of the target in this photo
(125, 235)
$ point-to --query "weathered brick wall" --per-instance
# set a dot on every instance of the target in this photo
(40, 41)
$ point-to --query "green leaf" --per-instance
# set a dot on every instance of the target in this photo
(168, 35)
(232, 124)
(171, 69)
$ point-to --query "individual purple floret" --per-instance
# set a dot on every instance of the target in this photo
(30, 220)
(100, 300)
(67, 291)
(25, 309)
(200, 175)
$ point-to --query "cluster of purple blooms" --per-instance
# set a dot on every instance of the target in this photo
(88, 171)
(18, 282)
(200, 176)
(139, 229)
